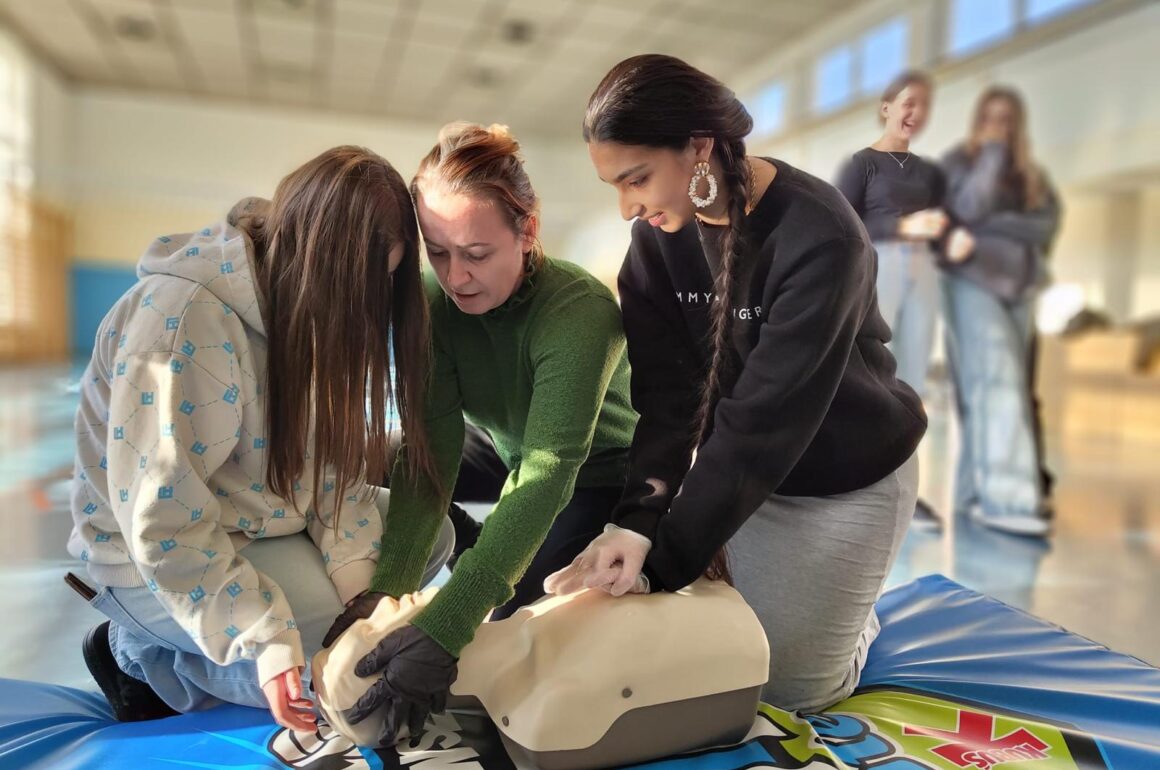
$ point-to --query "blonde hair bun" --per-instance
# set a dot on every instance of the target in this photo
(460, 133)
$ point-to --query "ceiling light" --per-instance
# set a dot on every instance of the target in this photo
(134, 28)
(517, 31)
(483, 77)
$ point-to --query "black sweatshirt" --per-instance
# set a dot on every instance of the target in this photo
(815, 407)
(882, 192)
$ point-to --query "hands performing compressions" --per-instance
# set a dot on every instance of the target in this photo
(612, 562)
(417, 673)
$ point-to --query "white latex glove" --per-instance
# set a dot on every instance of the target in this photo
(925, 225)
(612, 562)
(960, 246)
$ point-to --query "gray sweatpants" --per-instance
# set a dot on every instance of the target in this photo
(812, 568)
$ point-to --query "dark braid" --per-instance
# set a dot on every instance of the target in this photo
(732, 242)
(718, 379)
(660, 101)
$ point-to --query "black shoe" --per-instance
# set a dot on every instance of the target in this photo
(925, 519)
(467, 532)
(131, 699)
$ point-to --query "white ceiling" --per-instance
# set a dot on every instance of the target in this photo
(428, 60)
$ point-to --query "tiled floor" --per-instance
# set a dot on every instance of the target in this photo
(1098, 575)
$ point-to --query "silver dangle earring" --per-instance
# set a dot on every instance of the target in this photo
(701, 171)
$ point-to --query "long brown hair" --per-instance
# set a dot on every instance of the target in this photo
(334, 315)
(1023, 173)
(470, 159)
(660, 101)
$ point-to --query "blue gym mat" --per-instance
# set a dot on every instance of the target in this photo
(955, 680)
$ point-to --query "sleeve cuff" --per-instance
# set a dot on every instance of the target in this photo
(889, 227)
(663, 574)
(460, 606)
(400, 570)
(353, 578)
(640, 520)
(281, 653)
(654, 581)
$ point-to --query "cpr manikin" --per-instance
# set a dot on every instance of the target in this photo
(585, 680)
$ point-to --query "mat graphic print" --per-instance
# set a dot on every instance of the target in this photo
(884, 728)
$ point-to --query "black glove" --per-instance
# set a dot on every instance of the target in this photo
(359, 608)
(416, 676)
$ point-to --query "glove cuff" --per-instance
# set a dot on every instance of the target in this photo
(647, 543)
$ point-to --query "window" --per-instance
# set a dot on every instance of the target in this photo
(769, 109)
(32, 258)
(1042, 10)
(885, 53)
(833, 79)
(862, 68)
(976, 24)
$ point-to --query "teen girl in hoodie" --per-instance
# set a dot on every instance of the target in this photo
(223, 439)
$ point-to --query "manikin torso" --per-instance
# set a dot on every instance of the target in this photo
(559, 674)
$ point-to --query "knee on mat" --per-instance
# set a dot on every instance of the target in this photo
(806, 685)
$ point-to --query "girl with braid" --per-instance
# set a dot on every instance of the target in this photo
(775, 446)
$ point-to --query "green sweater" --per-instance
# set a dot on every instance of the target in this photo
(545, 374)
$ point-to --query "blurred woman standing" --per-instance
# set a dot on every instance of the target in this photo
(1005, 214)
(898, 196)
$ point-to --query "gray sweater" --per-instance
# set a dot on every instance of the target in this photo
(1011, 242)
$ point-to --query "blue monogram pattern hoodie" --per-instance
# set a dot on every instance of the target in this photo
(170, 472)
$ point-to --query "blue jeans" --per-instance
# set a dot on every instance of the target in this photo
(908, 300)
(988, 344)
(149, 645)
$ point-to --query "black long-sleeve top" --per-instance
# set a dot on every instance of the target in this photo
(815, 407)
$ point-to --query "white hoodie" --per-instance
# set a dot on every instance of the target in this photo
(170, 475)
